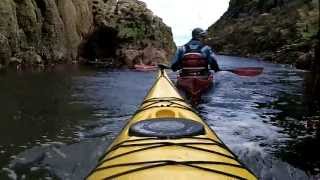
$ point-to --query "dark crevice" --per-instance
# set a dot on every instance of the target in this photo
(101, 44)
(42, 6)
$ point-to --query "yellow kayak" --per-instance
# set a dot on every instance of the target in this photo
(167, 140)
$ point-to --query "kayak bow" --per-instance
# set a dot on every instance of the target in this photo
(166, 139)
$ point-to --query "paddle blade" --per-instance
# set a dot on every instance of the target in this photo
(143, 67)
(247, 71)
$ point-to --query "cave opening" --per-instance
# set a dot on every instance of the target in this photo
(101, 45)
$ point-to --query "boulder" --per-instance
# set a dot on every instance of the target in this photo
(15, 61)
(30, 57)
(304, 60)
(153, 55)
(131, 56)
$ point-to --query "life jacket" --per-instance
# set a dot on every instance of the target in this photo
(194, 63)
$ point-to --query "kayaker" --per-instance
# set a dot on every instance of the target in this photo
(195, 57)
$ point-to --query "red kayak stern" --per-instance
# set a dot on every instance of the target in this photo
(195, 86)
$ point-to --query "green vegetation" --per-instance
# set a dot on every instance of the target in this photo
(134, 32)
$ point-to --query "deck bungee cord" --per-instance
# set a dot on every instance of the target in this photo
(173, 102)
(166, 162)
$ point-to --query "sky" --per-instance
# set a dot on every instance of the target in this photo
(184, 15)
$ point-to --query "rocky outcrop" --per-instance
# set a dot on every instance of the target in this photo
(277, 30)
(42, 31)
(53, 31)
(127, 33)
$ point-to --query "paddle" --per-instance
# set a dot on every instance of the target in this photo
(242, 71)
(246, 71)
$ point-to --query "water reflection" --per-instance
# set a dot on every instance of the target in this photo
(35, 109)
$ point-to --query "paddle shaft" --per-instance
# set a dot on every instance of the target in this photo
(243, 71)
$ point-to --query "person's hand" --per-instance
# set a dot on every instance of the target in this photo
(163, 66)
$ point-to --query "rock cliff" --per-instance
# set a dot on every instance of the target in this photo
(279, 30)
(46, 32)
(126, 33)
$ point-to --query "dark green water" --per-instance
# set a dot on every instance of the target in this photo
(56, 124)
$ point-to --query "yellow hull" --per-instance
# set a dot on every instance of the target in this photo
(200, 156)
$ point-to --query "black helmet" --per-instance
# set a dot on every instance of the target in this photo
(198, 33)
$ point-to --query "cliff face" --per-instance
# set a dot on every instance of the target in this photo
(51, 31)
(42, 31)
(279, 30)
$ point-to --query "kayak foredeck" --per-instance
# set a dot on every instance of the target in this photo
(166, 139)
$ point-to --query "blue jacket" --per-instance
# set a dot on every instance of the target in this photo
(194, 44)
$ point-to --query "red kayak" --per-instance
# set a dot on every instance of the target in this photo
(195, 86)
(143, 67)
(247, 71)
